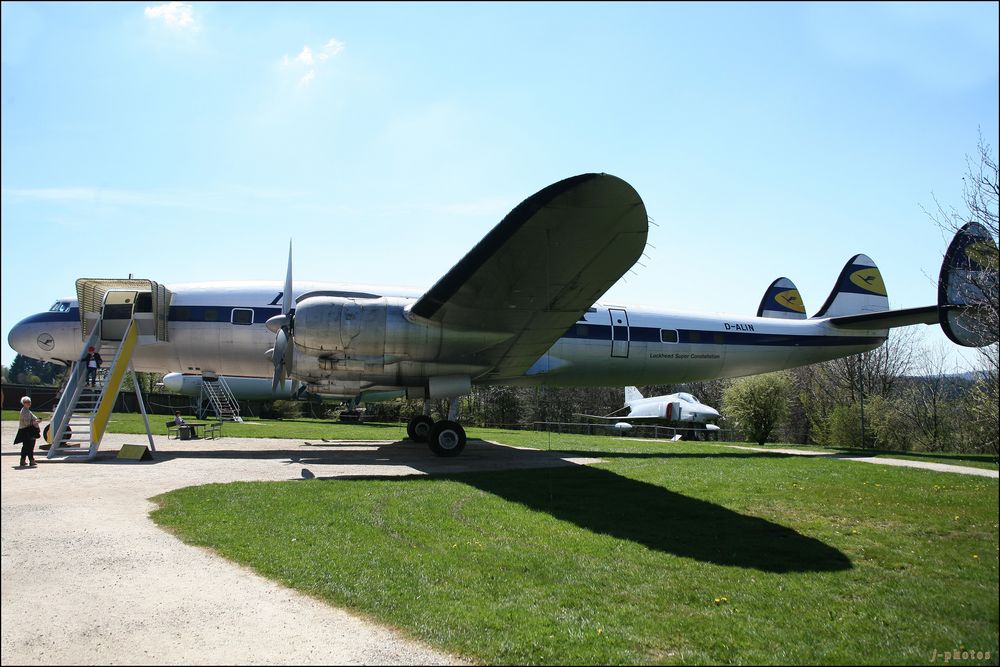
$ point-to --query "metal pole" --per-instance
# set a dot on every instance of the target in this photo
(861, 393)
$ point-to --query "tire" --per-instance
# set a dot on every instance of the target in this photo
(419, 428)
(47, 436)
(447, 438)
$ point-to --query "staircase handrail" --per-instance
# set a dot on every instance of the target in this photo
(71, 393)
(113, 384)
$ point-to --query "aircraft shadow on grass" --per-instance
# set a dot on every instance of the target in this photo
(595, 499)
(601, 501)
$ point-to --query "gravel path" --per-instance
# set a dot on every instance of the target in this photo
(89, 579)
(902, 463)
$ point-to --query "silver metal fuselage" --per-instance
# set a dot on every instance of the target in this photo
(351, 338)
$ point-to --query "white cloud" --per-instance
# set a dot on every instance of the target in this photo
(331, 48)
(178, 14)
(307, 79)
(307, 58)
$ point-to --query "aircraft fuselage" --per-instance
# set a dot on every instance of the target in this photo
(349, 339)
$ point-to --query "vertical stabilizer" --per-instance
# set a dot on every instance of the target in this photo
(632, 394)
(782, 300)
(859, 290)
(968, 284)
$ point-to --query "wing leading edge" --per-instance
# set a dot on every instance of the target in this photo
(540, 268)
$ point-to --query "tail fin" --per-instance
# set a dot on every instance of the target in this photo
(968, 282)
(632, 394)
(782, 300)
(858, 290)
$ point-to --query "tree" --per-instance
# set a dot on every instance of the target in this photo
(25, 370)
(834, 392)
(758, 404)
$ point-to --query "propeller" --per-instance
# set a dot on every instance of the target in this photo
(281, 327)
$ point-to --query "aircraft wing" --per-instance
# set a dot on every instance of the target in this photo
(889, 318)
(611, 417)
(618, 418)
(540, 268)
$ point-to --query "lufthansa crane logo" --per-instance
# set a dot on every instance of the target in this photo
(791, 300)
(46, 341)
(870, 280)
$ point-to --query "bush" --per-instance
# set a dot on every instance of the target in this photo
(843, 427)
(758, 404)
(282, 410)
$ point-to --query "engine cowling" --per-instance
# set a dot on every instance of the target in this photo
(326, 325)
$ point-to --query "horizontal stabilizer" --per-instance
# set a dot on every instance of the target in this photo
(889, 319)
(859, 290)
(967, 287)
(782, 300)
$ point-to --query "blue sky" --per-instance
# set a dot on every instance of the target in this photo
(182, 142)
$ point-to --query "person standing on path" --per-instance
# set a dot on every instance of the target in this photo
(27, 432)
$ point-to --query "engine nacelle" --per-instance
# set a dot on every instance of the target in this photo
(328, 325)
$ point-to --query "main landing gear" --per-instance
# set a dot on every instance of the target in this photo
(446, 437)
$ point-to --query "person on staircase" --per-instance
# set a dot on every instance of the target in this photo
(93, 361)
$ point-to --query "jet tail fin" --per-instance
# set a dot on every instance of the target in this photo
(968, 285)
(859, 290)
(632, 394)
(782, 300)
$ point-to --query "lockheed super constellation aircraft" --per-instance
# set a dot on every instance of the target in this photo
(519, 308)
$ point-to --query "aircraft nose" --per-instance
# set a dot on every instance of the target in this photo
(22, 338)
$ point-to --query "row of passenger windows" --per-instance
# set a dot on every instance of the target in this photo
(239, 315)
(666, 335)
(670, 336)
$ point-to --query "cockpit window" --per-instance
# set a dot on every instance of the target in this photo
(687, 397)
(60, 307)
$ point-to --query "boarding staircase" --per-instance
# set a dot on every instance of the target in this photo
(81, 417)
(220, 397)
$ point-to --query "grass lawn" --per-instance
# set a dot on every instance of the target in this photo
(316, 429)
(679, 553)
(668, 553)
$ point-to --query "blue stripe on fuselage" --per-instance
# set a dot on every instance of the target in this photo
(71, 315)
(703, 337)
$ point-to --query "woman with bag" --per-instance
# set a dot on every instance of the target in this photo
(27, 432)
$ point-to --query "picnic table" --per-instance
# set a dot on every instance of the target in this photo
(194, 430)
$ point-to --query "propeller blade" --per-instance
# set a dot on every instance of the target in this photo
(286, 302)
(280, 325)
(278, 357)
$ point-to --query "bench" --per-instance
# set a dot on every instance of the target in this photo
(213, 430)
(172, 430)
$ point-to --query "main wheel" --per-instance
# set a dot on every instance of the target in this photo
(447, 438)
(47, 436)
(419, 428)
